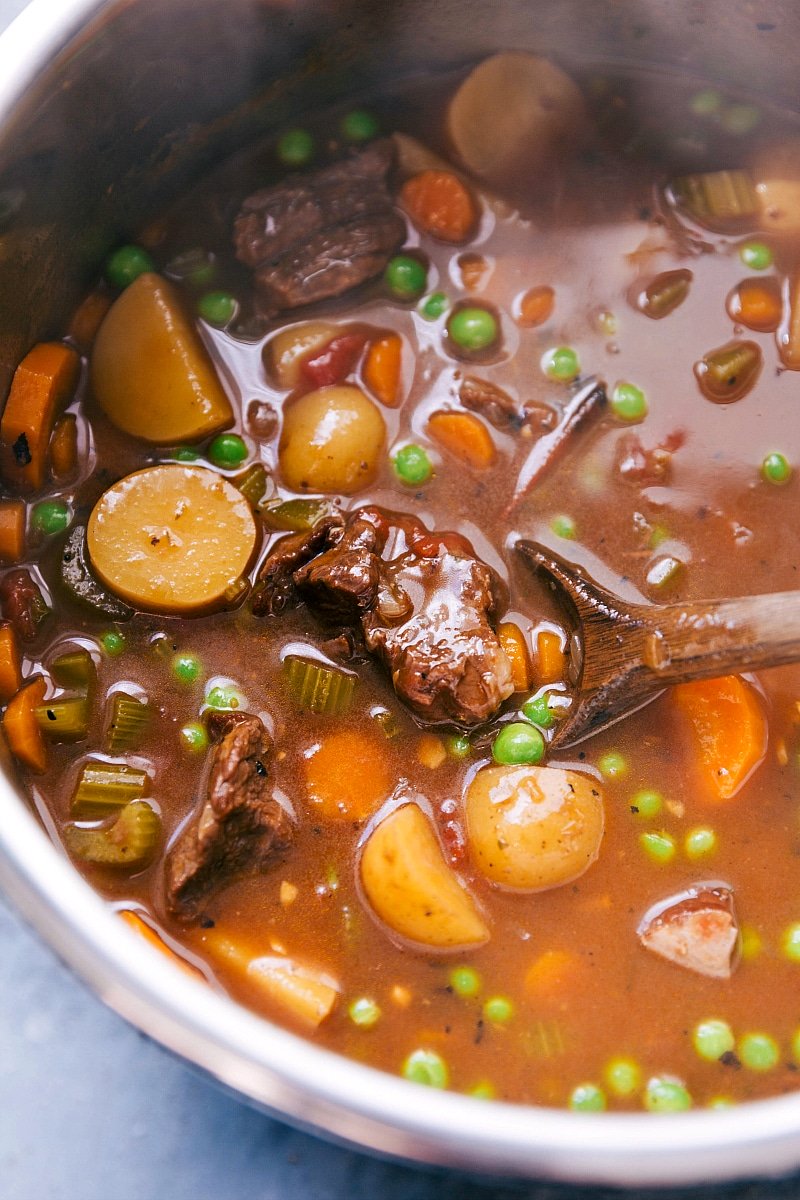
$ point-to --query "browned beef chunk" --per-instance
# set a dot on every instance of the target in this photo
(696, 929)
(276, 579)
(319, 235)
(238, 828)
(426, 606)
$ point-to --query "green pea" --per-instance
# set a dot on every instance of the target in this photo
(195, 266)
(359, 125)
(185, 454)
(706, 103)
(713, 1038)
(465, 981)
(364, 1012)
(537, 709)
(227, 451)
(458, 745)
(518, 742)
(562, 364)
(428, 1067)
(498, 1010)
(113, 642)
(756, 256)
(483, 1090)
(223, 698)
(740, 118)
(623, 1076)
(587, 1097)
(665, 1095)
(412, 465)
(628, 402)
(295, 148)
(758, 1051)
(700, 842)
(647, 804)
(126, 264)
(606, 322)
(776, 468)
(193, 737)
(434, 306)
(563, 526)
(612, 765)
(790, 942)
(473, 328)
(660, 847)
(405, 277)
(218, 308)
(50, 517)
(186, 668)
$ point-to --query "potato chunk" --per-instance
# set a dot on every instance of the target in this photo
(532, 828)
(151, 373)
(412, 889)
(332, 441)
(171, 538)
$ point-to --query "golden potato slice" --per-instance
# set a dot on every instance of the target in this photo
(151, 373)
(531, 828)
(332, 441)
(511, 116)
(284, 354)
(412, 889)
(171, 538)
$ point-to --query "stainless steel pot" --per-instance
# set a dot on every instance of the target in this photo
(107, 108)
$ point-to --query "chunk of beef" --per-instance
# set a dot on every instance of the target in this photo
(238, 828)
(276, 584)
(424, 602)
(502, 411)
(315, 236)
(646, 468)
(23, 604)
(696, 929)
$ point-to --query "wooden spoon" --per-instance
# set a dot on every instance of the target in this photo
(622, 654)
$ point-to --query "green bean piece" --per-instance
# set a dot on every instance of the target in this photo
(318, 688)
(716, 196)
(252, 483)
(293, 515)
(103, 787)
(129, 842)
(129, 720)
(64, 720)
(75, 669)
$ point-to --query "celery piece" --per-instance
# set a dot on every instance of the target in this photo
(64, 720)
(726, 374)
(717, 196)
(129, 720)
(318, 688)
(129, 842)
(75, 669)
(664, 293)
(103, 787)
(252, 483)
(294, 515)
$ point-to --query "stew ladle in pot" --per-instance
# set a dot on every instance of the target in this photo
(623, 654)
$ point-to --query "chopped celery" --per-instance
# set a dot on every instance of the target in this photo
(103, 787)
(318, 688)
(664, 293)
(252, 483)
(726, 374)
(294, 515)
(129, 720)
(717, 196)
(129, 842)
(64, 720)
(75, 669)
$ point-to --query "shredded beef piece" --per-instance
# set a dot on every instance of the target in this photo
(502, 411)
(23, 604)
(276, 585)
(315, 236)
(424, 602)
(238, 828)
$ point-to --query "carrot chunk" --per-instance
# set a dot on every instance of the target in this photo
(440, 204)
(728, 729)
(140, 927)
(43, 383)
(381, 370)
(12, 531)
(550, 662)
(347, 776)
(553, 974)
(22, 730)
(64, 446)
(513, 642)
(88, 317)
(465, 437)
(536, 306)
(757, 304)
(10, 665)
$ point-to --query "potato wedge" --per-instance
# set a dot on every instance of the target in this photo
(412, 889)
(171, 538)
(151, 373)
(300, 989)
(332, 441)
(532, 828)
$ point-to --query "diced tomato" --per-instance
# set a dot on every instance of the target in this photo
(335, 361)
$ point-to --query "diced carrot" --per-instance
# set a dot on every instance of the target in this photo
(440, 204)
(728, 729)
(756, 303)
(87, 319)
(64, 446)
(348, 775)
(43, 383)
(473, 268)
(12, 530)
(549, 661)
(21, 728)
(553, 974)
(465, 437)
(10, 665)
(536, 306)
(135, 922)
(512, 639)
(430, 751)
(381, 370)
(789, 333)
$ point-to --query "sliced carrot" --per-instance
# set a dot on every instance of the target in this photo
(21, 728)
(440, 204)
(757, 304)
(135, 922)
(512, 639)
(728, 728)
(88, 317)
(10, 664)
(550, 664)
(381, 370)
(12, 530)
(536, 306)
(465, 437)
(43, 383)
(552, 974)
(348, 775)
(64, 446)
